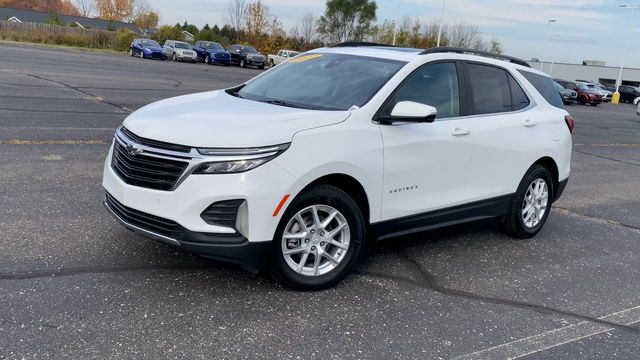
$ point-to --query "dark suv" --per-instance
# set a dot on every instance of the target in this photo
(244, 56)
(628, 93)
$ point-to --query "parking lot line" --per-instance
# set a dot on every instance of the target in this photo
(554, 338)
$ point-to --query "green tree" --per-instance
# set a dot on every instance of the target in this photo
(167, 32)
(345, 20)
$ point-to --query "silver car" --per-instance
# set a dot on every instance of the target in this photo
(179, 51)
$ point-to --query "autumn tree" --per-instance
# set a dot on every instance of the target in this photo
(85, 7)
(64, 7)
(236, 15)
(148, 20)
(115, 10)
(347, 19)
(308, 27)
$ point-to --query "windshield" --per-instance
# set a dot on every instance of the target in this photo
(182, 46)
(149, 43)
(323, 81)
(213, 46)
(249, 49)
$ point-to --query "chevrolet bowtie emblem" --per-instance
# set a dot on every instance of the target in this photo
(134, 149)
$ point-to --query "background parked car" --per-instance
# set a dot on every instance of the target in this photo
(606, 95)
(282, 56)
(608, 87)
(210, 52)
(147, 49)
(628, 93)
(568, 96)
(588, 95)
(246, 56)
(179, 51)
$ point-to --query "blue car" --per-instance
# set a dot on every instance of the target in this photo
(211, 53)
(147, 49)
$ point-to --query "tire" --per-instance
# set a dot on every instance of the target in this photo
(174, 57)
(594, 104)
(271, 63)
(582, 100)
(131, 52)
(243, 64)
(141, 54)
(207, 60)
(517, 225)
(324, 199)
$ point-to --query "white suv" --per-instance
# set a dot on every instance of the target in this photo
(296, 169)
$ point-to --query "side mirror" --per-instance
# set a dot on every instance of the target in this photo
(411, 111)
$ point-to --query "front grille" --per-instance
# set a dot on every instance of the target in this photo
(154, 143)
(222, 213)
(145, 221)
(146, 171)
(221, 56)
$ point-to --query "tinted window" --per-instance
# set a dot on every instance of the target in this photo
(545, 87)
(322, 81)
(490, 89)
(431, 84)
(519, 99)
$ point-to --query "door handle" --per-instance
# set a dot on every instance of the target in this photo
(530, 123)
(460, 132)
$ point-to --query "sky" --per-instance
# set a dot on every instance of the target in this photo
(584, 29)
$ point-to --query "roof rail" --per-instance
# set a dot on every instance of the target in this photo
(358, 43)
(446, 49)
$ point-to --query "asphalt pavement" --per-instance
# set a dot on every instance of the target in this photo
(75, 284)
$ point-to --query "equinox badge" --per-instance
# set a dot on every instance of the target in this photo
(133, 149)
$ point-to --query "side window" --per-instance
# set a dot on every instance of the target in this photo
(490, 90)
(431, 84)
(544, 85)
(519, 99)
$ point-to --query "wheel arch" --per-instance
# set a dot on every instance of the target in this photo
(551, 165)
(349, 185)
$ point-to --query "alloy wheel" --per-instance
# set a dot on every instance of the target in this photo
(315, 240)
(535, 203)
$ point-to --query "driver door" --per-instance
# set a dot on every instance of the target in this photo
(426, 164)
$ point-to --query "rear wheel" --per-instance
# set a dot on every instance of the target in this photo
(319, 239)
(530, 204)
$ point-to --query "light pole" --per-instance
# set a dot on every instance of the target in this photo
(551, 21)
(552, 61)
(395, 24)
(616, 95)
(444, 6)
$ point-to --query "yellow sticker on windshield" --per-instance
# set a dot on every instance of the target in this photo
(305, 58)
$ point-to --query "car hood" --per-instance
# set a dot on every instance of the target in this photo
(214, 51)
(217, 119)
(153, 48)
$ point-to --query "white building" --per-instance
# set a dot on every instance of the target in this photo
(606, 75)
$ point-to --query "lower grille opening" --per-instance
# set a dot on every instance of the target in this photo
(222, 213)
(145, 221)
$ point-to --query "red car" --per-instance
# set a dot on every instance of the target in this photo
(587, 96)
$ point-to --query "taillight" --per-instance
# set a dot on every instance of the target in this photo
(571, 123)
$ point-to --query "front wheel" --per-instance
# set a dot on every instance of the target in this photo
(130, 52)
(175, 58)
(531, 204)
(319, 239)
(207, 60)
(141, 54)
(242, 64)
(271, 63)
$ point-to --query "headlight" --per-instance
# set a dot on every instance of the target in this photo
(238, 160)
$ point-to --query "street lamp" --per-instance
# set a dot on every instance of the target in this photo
(444, 5)
(551, 21)
(616, 95)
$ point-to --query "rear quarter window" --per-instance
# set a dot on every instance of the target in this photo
(545, 87)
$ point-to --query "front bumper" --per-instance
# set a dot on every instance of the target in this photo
(262, 189)
(183, 57)
(230, 248)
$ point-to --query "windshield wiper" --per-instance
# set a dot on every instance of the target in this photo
(285, 103)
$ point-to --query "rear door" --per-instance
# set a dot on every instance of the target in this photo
(426, 164)
(508, 132)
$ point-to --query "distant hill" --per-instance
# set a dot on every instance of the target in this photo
(64, 7)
